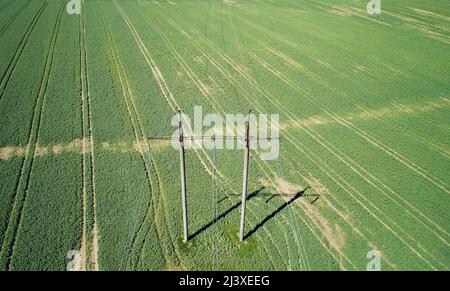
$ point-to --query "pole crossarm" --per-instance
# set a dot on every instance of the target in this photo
(182, 139)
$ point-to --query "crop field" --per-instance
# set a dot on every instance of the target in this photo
(364, 108)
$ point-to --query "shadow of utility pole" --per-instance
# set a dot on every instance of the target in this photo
(273, 214)
(224, 214)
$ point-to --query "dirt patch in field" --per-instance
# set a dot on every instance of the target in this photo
(392, 111)
(155, 145)
(21, 151)
(199, 60)
(336, 236)
(315, 120)
(78, 146)
(309, 121)
(287, 187)
(118, 147)
(331, 231)
(281, 186)
(140, 146)
(75, 146)
(213, 84)
(94, 253)
(7, 153)
(10, 152)
(316, 185)
(83, 252)
(41, 151)
(340, 238)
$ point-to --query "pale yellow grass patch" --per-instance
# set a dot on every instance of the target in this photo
(332, 233)
(213, 84)
(309, 121)
(282, 186)
(94, 249)
(21, 152)
(199, 60)
(7, 153)
(41, 151)
(155, 145)
(160, 145)
(391, 111)
(75, 146)
(118, 147)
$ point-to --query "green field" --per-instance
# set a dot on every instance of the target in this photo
(364, 106)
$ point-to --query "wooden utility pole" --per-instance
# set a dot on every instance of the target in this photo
(182, 138)
(183, 183)
(245, 179)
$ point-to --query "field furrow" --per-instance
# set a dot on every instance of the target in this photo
(12, 64)
(22, 188)
(92, 95)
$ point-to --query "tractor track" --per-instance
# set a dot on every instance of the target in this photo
(18, 53)
(6, 5)
(83, 249)
(89, 249)
(139, 134)
(16, 213)
(231, 189)
(366, 110)
(363, 134)
(189, 72)
(167, 93)
(210, 99)
(271, 100)
(292, 117)
(256, 106)
(156, 73)
(5, 27)
(351, 61)
(410, 164)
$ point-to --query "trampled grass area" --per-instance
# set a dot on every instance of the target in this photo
(364, 106)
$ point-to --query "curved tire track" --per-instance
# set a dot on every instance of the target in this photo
(16, 215)
(12, 64)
